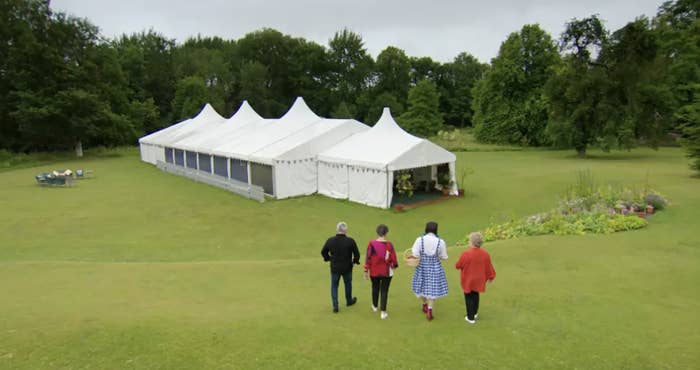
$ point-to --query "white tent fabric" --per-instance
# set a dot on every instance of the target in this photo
(150, 152)
(299, 153)
(297, 118)
(371, 158)
(294, 157)
(245, 119)
(152, 146)
(290, 145)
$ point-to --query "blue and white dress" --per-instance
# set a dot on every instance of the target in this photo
(429, 279)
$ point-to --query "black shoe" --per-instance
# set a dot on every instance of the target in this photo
(335, 309)
(354, 300)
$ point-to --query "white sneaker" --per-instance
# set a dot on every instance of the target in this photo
(476, 315)
(374, 309)
(384, 315)
(466, 318)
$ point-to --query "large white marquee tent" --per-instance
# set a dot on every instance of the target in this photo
(298, 154)
(362, 167)
(152, 146)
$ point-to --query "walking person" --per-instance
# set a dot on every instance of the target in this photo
(342, 253)
(429, 281)
(477, 269)
(380, 262)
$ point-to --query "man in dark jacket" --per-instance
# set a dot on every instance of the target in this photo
(342, 252)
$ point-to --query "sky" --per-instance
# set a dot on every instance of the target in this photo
(440, 29)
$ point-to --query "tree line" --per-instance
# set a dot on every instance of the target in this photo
(62, 84)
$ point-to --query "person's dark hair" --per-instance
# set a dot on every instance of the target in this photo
(382, 230)
(431, 227)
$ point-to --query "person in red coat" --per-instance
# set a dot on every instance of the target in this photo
(477, 269)
(379, 266)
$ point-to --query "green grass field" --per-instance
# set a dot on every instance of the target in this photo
(138, 269)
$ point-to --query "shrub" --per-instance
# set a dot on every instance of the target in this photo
(655, 200)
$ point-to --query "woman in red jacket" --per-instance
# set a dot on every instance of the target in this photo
(477, 269)
(379, 266)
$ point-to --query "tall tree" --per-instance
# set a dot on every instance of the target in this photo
(190, 97)
(509, 106)
(254, 88)
(147, 61)
(393, 68)
(206, 57)
(456, 81)
(423, 117)
(678, 31)
(351, 66)
(636, 86)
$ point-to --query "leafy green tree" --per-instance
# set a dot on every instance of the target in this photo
(385, 99)
(423, 117)
(425, 68)
(342, 111)
(689, 119)
(65, 88)
(147, 61)
(190, 97)
(636, 74)
(456, 81)
(393, 68)
(310, 75)
(351, 66)
(254, 88)
(677, 28)
(509, 106)
(579, 109)
(206, 58)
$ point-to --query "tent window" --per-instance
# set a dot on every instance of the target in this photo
(169, 155)
(261, 175)
(179, 157)
(239, 170)
(204, 163)
(220, 166)
(191, 160)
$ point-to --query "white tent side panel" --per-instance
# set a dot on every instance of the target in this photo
(333, 180)
(151, 153)
(292, 179)
(368, 187)
(143, 150)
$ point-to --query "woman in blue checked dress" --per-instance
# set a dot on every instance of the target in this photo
(429, 281)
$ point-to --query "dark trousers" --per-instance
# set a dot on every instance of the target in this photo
(471, 299)
(380, 285)
(335, 281)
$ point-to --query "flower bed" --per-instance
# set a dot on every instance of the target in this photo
(586, 209)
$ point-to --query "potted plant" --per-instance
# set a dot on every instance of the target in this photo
(445, 182)
(404, 186)
(462, 178)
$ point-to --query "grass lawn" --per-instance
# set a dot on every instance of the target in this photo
(141, 269)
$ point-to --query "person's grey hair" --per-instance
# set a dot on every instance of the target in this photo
(341, 228)
(476, 239)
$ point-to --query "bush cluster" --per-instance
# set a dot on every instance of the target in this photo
(559, 224)
(587, 208)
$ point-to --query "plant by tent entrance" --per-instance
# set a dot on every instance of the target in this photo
(414, 185)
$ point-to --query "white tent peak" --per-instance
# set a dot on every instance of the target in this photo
(300, 112)
(246, 113)
(208, 113)
(387, 122)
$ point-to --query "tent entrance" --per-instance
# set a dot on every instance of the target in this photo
(422, 181)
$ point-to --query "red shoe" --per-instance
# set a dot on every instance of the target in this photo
(425, 308)
(429, 314)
